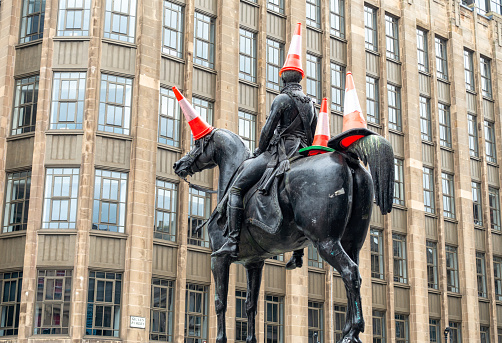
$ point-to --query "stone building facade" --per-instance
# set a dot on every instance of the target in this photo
(96, 228)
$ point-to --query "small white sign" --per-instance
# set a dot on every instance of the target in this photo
(138, 322)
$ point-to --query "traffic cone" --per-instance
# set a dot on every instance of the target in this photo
(322, 133)
(199, 126)
(294, 58)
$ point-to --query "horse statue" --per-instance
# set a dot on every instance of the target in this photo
(325, 200)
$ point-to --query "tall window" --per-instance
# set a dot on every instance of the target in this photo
(316, 320)
(493, 200)
(429, 198)
(196, 312)
(477, 207)
(32, 20)
(109, 209)
(377, 264)
(339, 312)
(392, 37)
(455, 332)
(398, 182)
(115, 104)
(432, 265)
(203, 53)
(199, 210)
(378, 326)
(274, 319)
(315, 259)
(499, 330)
(17, 201)
(444, 126)
(314, 77)
(169, 118)
(372, 105)
(452, 269)
(399, 254)
(441, 59)
(68, 95)
(484, 332)
(425, 119)
(422, 51)
(337, 18)
(60, 199)
(491, 148)
(469, 71)
(162, 310)
(497, 273)
(10, 301)
(52, 308)
(103, 304)
(473, 135)
(276, 6)
(247, 55)
(314, 13)
(435, 330)
(120, 20)
(247, 129)
(394, 105)
(172, 33)
(481, 274)
(486, 78)
(370, 28)
(241, 321)
(275, 60)
(24, 116)
(74, 18)
(402, 328)
(165, 210)
(205, 109)
(448, 195)
(337, 86)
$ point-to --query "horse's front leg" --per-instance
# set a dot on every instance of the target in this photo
(220, 266)
(254, 272)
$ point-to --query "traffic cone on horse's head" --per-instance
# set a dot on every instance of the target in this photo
(294, 58)
(199, 126)
(322, 133)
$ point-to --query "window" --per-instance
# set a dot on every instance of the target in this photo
(493, 201)
(315, 259)
(392, 37)
(196, 311)
(103, 304)
(477, 208)
(402, 328)
(372, 105)
(441, 59)
(422, 51)
(435, 330)
(432, 265)
(247, 129)
(398, 182)
(115, 104)
(162, 310)
(60, 199)
(448, 195)
(10, 302)
(484, 332)
(452, 269)
(337, 86)
(370, 28)
(275, 60)
(314, 13)
(316, 320)
(394, 103)
(337, 18)
(52, 308)
(169, 118)
(429, 197)
(497, 273)
(205, 109)
(455, 332)
(481, 274)
(444, 126)
(274, 319)
(120, 20)
(17, 201)
(491, 148)
(486, 78)
(378, 326)
(165, 210)
(241, 320)
(110, 192)
(32, 20)
(425, 119)
(68, 95)
(339, 312)
(276, 6)
(496, 6)
(247, 55)
(203, 53)
(172, 32)
(24, 116)
(199, 210)
(473, 135)
(399, 253)
(279, 258)
(314, 77)
(74, 17)
(377, 264)
(499, 331)
(469, 71)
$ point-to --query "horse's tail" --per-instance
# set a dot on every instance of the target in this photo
(377, 152)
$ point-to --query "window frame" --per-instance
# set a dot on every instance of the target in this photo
(314, 257)
(51, 198)
(425, 118)
(400, 259)
(377, 254)
(208, 42)
(110, 12)
(485, 77)
(455, 331)
(9, 304)
(402, 326)
(422, 50)
(201, 291)
(497, 276)
(339, 315)
(165, 289)
(452, 272)
(370, 28)
(106, 104)
(27, 14)
(472, 128)
(429, 190)
(163, 187)
(241, 320)
(435, 330)
(59, 100)
(477, 203)
(481, 275)
(337, 18)
(394, 107)
(432, 265)
(169, 119)
(470, 83)
(494, 208)
(337, 86)
(275, 50)
(484, 334)
(276, 304)
(176, 32)
(313, 76)
(490, 142)
(247, 55)
(120, 201)
(316, 320)
(447, 183)
(247, 124)
(444, 118)
(313, 13)
(399, 188)
(21, 107)
(379, 326)
(392, 37)
(372, 100)
(63, 30)
(276, 6)
(201, 238)
(441, 58)
(11, 180)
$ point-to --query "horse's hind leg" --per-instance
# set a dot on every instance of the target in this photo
(254, 272)
(221, 268)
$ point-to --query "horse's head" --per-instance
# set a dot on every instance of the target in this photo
(199, 158)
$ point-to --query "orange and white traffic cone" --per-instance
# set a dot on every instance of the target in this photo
(322, 133)
(294, 58)
(199, 126)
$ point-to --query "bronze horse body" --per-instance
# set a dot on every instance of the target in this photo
(325, 199)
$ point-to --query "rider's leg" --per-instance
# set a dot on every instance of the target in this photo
(296, 261)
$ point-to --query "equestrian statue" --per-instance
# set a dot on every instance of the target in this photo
(299, 187)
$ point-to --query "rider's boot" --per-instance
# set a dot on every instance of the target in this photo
(296, 261)
(235, 215)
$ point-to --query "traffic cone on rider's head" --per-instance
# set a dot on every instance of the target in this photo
(199, 126)
(294, 58)
(322, 133)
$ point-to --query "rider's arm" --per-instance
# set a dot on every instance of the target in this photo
(273, 119)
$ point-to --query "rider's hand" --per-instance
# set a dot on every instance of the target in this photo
(257, 152)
